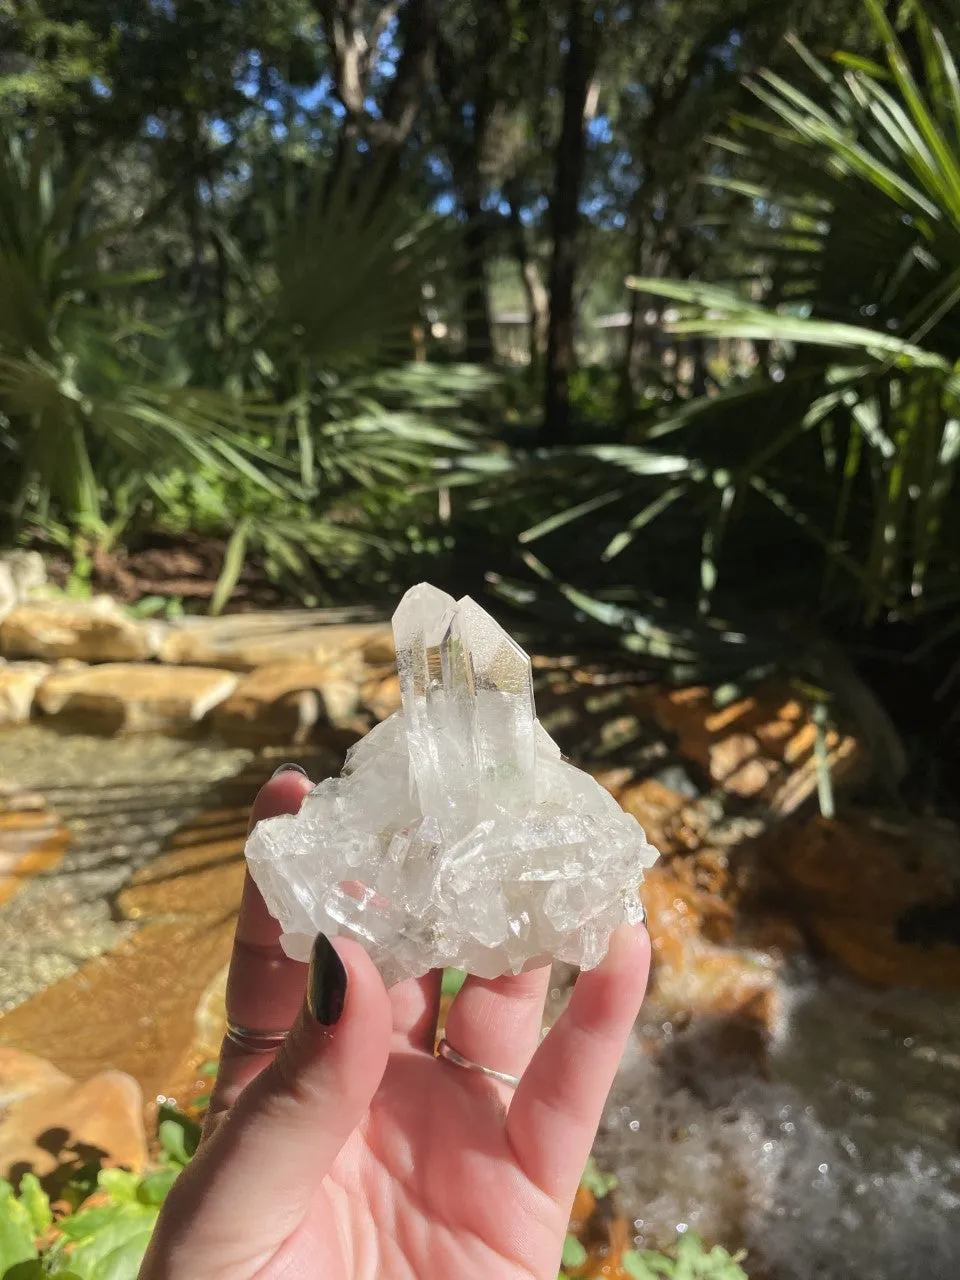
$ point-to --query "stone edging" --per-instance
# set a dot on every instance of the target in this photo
(253, 678)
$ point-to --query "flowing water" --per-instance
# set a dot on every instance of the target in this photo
(839, 1162)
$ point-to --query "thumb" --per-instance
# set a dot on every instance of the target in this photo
(248, 1187)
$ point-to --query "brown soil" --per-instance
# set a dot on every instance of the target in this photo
(185, 567)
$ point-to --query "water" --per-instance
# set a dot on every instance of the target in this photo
(120, 799)
(838, 1161)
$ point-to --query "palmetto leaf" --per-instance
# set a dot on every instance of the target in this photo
(874, 158)
(75, 396)
(349, 267)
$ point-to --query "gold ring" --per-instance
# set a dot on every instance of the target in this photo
(446, 1050)
(255, 1041)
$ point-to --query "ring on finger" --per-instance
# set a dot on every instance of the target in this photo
(255, 1041)
(446, 1051)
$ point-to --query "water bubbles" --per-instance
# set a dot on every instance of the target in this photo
(812, 1180)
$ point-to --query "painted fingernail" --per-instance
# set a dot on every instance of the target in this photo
(326, 982)
(288, 768)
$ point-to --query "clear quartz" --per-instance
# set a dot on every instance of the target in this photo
(456, 834)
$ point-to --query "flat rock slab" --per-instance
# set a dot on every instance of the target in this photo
(30, 842)
(879, 898)
(243, 642)
(50, 1125)
(283, 701)
(19, 682)
(135, 697)
(761, 748)
(95, 630)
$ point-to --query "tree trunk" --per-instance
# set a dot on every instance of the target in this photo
(635, 349)
(538, 300)
(476, 300)
(582, 40)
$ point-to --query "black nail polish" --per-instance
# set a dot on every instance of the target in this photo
(326, 982)
(288, 768)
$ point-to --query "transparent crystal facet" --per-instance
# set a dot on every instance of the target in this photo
(456, 834)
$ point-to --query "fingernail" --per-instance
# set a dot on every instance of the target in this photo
(326, 982)
(288, 768)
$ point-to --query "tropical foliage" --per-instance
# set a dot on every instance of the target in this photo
(818, 486)
(251, 297)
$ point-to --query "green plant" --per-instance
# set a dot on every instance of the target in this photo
(860, 256)
(108, 1233)
(82, 409)
(689, 1259)
(728, 527)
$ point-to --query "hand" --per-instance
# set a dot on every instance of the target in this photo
(354, 1154)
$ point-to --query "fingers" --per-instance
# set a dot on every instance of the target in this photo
(296, 1115)
(264, 987)
(557, 1107)
(262, 1166)
(497, 1021)
(416, 1006)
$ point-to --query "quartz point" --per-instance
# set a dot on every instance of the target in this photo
(456, 834)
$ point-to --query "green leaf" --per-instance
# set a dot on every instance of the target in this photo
(154, 1188)
(574, 1254)
(233, 561)
(119, 1184)
(37, 1270)
(16, 1230)
(179, 1136)
(598, 1183)
(36, 1202)
(109, 1241)
(640, 1267)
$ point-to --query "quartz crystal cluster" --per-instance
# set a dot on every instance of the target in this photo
(456, 834)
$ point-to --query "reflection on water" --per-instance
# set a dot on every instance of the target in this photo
(839, 1161)
(120, 800)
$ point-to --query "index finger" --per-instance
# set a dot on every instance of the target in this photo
(265, 987)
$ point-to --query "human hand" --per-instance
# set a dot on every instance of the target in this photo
(354, 1154)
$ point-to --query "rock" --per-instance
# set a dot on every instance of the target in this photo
(135, 697)
(788, 791)
(243, 642)
(656, 809)
(24, 1074)
(92, 630)
(382, 696)
(737, 765)
(282, 702)
(692, 975)
(20, 573)
(19, 682)
(30, 843)
(760, 748)
(856, 885)
(56, 1127)
(8, 591)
